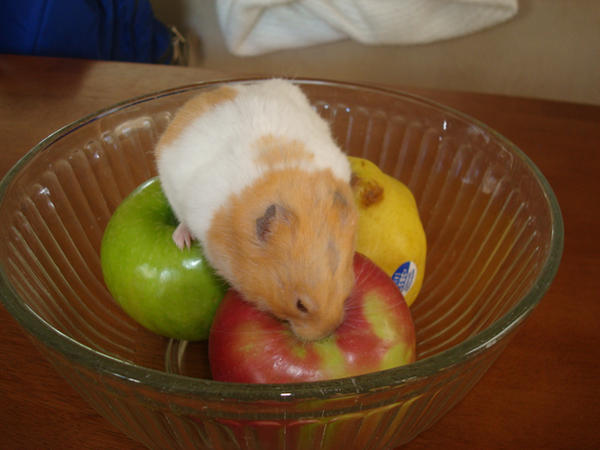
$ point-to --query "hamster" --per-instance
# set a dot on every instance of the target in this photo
(252, 172)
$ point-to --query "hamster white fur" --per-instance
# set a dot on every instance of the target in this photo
(253, 173)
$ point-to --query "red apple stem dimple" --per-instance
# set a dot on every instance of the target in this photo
(182, 236)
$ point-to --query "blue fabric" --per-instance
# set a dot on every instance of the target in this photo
(124, 30)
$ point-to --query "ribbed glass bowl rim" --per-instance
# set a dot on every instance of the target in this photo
(167, 383)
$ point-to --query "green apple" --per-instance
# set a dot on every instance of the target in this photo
(169, 291)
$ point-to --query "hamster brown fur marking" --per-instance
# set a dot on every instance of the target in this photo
(190, 111)
(252, 172)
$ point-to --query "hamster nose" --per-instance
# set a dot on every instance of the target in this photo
(311, 332)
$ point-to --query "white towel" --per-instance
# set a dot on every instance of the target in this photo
(252, 27)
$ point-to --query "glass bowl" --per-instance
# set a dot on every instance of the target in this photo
(494, 234)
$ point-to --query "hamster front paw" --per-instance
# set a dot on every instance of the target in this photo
(182, 237)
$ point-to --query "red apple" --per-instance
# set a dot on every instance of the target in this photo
(252, 346)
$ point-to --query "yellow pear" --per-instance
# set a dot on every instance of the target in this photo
(390, 231)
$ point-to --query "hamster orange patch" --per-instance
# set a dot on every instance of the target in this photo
(274, 150)
(191, 110)
(313, 219)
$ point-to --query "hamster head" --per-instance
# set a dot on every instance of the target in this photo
(287, 244)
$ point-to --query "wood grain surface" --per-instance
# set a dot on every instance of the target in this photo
(544, 390)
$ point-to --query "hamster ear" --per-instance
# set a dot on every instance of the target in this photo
(343, 206)
(267, 223)
(339, 200)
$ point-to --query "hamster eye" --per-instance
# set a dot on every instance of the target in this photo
(301, 307)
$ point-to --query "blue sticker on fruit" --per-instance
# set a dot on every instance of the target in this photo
(405, 276)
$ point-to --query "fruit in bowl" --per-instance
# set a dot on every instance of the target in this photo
(51, 277)
(390, 231)
(175, 293)
(252, 346)
(170, 291)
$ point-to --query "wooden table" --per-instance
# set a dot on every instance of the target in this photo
(543, 392)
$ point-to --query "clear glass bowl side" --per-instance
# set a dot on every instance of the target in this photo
(469, 183)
